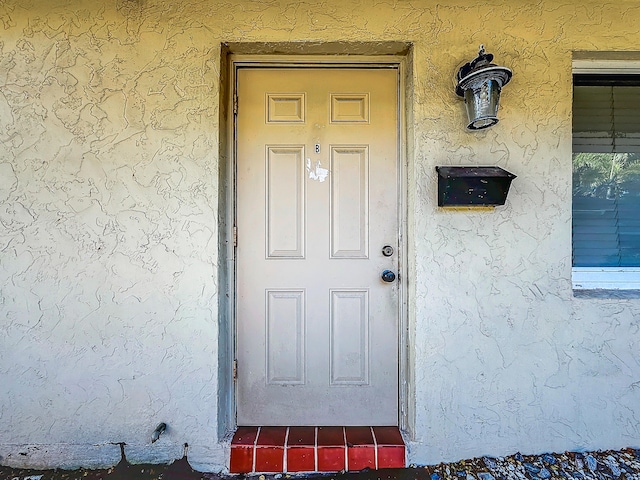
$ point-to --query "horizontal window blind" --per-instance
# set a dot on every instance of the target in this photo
(606, 233)
(606, 208)
(606, 119)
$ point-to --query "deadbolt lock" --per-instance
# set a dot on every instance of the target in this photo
(387, 250)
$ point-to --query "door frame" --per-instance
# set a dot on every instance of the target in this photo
(227, 421)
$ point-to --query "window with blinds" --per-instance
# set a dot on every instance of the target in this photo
(606, 171)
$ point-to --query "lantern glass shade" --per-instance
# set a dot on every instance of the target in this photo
(482, 100)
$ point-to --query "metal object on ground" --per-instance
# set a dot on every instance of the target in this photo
(160, 429)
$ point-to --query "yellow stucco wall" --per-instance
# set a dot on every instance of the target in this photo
(109, 212)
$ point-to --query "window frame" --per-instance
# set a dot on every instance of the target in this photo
(604, 278)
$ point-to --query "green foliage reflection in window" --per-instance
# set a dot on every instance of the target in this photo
(606, 171)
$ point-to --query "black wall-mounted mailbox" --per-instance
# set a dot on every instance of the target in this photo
(472, 186)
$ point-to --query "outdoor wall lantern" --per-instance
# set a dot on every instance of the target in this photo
(479, 83)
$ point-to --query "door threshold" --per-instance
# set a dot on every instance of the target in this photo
(316, 449)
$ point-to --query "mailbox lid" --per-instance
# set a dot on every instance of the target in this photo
(464, 186)
(474, 172)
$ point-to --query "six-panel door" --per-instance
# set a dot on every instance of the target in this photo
(317, 200)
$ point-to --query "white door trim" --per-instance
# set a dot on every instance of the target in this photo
(401, 63)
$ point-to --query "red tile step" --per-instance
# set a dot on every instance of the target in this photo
(315, 449)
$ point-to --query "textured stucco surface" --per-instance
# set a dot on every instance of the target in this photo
(109, 212)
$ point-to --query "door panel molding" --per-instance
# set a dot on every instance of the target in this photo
(285, 312)
(349, 166)
(350, 339)
(285, 194)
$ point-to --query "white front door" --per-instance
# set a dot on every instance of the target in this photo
(317, 202)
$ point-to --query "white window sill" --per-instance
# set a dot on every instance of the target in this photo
(606, 282)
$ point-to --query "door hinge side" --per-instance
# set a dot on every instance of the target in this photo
(235, 236)
(235, 370)
(235, 103)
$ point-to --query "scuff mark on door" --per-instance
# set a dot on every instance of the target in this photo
(317, 172)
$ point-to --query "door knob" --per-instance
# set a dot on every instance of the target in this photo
(388, 276)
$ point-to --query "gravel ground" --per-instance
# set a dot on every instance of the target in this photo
(603, 465)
